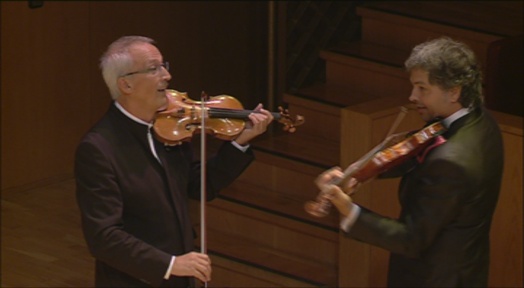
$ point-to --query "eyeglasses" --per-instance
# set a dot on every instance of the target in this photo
(152, 70)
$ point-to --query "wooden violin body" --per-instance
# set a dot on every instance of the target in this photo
(391, 155)
(383, 157)
(224, 118)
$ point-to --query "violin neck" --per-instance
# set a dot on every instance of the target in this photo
(234, 114)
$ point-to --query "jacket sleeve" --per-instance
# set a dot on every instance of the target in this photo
(435, 197)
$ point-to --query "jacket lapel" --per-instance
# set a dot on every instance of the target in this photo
(176, 193)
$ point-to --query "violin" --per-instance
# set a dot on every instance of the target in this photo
(224, 115)
(388, 154)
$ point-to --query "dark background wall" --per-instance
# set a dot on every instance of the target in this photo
(51, 87)
(52, 90)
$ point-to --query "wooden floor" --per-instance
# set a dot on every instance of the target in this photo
(42, 243)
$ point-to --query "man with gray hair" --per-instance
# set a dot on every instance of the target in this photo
(133, 191)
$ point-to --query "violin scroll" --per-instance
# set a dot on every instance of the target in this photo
(289, 122)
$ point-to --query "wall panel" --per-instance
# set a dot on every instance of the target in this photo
(43, 89)
(52, 90)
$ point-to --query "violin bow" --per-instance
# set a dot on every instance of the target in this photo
(400, 117)
(203, 190)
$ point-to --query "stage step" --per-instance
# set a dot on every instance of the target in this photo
(364, 66)
(505, 17)
(320, 104)
(386, 22)
(257, 238)
(259, 222)
(234, 273)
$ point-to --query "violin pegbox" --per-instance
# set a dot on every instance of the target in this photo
(290, 123)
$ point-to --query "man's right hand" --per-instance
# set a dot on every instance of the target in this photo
(193, 264)
(340, 198)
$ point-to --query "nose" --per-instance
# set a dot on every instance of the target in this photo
(412, 97)
(166, 75)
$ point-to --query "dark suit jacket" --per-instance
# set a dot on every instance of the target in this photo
(441, 238)
(134, 210)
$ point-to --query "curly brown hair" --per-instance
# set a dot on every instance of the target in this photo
(449, 64)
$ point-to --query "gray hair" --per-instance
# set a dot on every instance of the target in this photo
(117, 60)
(449, 64)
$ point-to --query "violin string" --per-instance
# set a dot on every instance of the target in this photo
(217, 112)
(224, 112)
(236, 113)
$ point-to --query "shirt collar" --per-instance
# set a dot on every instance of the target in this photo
(131, 116)
(453, 117)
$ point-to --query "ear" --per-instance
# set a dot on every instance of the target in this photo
(455, 93)
(124, 85)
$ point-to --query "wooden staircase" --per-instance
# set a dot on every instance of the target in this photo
(258, 232)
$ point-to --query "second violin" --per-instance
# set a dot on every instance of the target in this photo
(380, 159)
